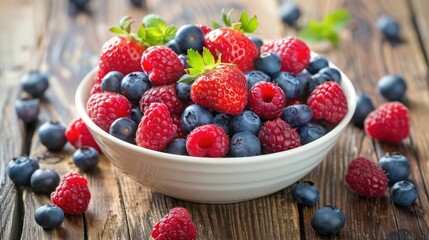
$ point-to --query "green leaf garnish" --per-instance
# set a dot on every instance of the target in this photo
(244, 24)
(201, 64)
(327, 29)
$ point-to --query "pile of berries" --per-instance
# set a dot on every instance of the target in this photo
(213, 93)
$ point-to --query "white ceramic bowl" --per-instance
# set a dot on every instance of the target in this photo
(213, 180)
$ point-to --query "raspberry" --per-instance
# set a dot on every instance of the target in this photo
(105, 107)
(156, 129)
(164, 94)
(72, 194)
(388, 123)
(177, 224)
(96, 88)
(267, 100)
(79, 136)
(207, 141)
(366, 178)
(162, 65)
(294, 53)
(180, 133)
(328, 102)
(276, 136)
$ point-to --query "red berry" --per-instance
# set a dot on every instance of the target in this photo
(156, 128)
(72, 194)
(267, 100)
(96, 88)
(176, 225)
(105, 107)
(206, 29)
(180, 133)
(294, 53)
(277, 135)
(162, 65)
(388, 123)
(207, 141)
(164, 94)
(79, 136)
(328, 102)
(366, 178)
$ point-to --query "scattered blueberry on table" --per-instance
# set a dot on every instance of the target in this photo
(44, 181)
(52, 135)
(393, 87)
(404, 193)
(27, 109)
(396, 166)
(305, 193)
(35, 83)
(328, 220)
(20, 170)
(86, 158)
(388, 26)
(364, 106)
(289, 13)
(49, 216)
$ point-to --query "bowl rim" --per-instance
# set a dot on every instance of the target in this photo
(88, 81)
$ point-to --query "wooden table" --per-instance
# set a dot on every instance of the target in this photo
(41, 35)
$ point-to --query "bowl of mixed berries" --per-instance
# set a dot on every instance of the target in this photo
(213, 115)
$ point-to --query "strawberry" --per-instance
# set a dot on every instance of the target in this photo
(230, 41)
(218, 87)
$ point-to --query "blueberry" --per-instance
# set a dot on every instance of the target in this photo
(184, 59)
(316, 64)
(257, 41)
(44, 181)
(388, 27)
(193, 116)
(364, 106)
(183, 91)
(133, 86)
(311, 132)
(35, 83)
(246, 121)
(404, 193)
(289, 13)
(254, 77)
(20, 170)
(305, 193)
(86, 158)
(124, 129)
(224, 121)
(328, 220)
(136, 115)
(392, 87)
(244, 144)
(316, 80)
(111, 82)
(297, 115)
(52, 135)
(303, 78)
(288, 83)
(396, 167)
(172, 44)
(49, 216)
(79, 4)
(137, 3)
(177, 146)
(190, 36)
(27, 109)
(269, 63)
(332, 73)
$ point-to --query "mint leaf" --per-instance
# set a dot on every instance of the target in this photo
(337, 19)
(153, 20)
(169, 33)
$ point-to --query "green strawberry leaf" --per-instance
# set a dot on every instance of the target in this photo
(196, 61)
(252, 25)
(201, 63)
(216, 25)
(153, 20)
(117, 30)
(208, 57)
(244, 24)
(125, 24)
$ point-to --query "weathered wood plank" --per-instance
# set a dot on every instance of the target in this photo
(421, 22)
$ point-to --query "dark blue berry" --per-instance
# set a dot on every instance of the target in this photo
(311, 132)
(79, 4)
(136, 115)
(392, 87)
(404, 193)
(332, 73)
(183, 91)
(297, 115)
(193, 116)
(289, 13)
(303, 78)
(269, 63)
(254, 77)
(257, 41)
(177, 146)
(396, 167)
(190, 36)
(133, 86)
(246, 121)
(328, 220)
(27, 109)
(305, 193)
(35, 83)
(20, 170)
(388, 27)
(124, 129)
(224, 121)
(316, 64)
(49, 216)
(52, 135)
(172, 44)
(244, 144)
(137, 3)
(111, 82)
(86, 158)
(364, 106)
(44, 181)
(288, 83)
(184, 59)
(316, 80)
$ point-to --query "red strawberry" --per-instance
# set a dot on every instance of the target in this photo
(234, 46)
(388, 123)
(366, 178)
(294, 53)
(176, 225)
